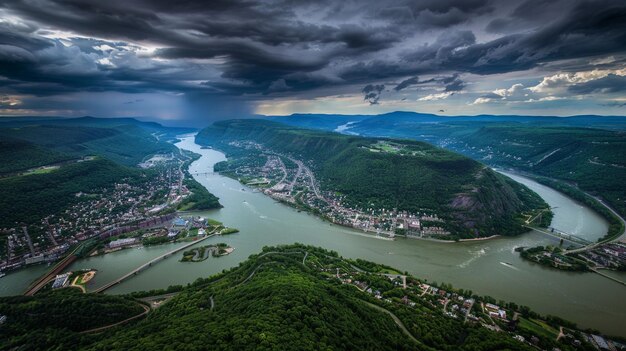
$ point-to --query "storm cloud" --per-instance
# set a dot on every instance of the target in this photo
(251, 50)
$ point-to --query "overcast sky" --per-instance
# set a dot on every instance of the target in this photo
(198, 60)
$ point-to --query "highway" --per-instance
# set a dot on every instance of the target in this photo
(146, 310)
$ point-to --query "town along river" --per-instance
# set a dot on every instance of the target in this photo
(487, 267)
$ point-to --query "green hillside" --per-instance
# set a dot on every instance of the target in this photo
(52, 321)
(285, 298)
(19, 155)
(127, 145)
(475, 200)
(592, 159)
(28, 198)
(164, 133)
(584, 151)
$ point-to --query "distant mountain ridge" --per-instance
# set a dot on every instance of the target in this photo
(93, 122)
(332, 121)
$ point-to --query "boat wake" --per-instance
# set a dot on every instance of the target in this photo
(475, 255)
(506, 264)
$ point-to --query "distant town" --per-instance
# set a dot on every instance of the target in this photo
(102, 213)
(292, 181)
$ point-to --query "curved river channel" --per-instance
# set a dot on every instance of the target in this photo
(487, 267)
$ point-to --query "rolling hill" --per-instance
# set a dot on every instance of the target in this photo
(26, 199)
(583, 151)
(474, 199)
(126, 144)
(19, 155)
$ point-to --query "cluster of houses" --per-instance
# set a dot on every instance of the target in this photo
(100, 211)
(298, 185)
(495, 311)
(610, 256)
(454, 305)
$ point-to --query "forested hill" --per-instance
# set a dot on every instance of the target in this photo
(584, 151)
(292, 297)
(126, 144)
(406, 175)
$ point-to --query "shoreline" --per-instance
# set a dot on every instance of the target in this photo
(323, 218)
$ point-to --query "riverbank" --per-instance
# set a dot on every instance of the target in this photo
(617, 227)
(589, 299)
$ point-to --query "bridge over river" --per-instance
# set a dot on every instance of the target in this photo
(149, 264)
(562, 235)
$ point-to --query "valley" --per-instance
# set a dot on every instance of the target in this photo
(259, 219)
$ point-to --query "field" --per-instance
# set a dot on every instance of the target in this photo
(538, 327)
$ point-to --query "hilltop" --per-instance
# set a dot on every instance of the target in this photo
(377, 174)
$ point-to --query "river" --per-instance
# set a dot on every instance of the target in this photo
(487, 267)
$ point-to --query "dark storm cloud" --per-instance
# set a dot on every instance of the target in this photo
(590, 28)
(406, 83)
(372, 93)
(254, 48)
(610, 84)
(453, 83)
(491, 96)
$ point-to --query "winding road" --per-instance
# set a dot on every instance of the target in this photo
(395, 319)
(99, 329)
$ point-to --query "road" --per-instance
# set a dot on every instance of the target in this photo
(99, 329)
(41, 282)
(28, 241)
(395, 319)
(271, 253)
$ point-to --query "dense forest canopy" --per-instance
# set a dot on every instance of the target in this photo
(284, 298)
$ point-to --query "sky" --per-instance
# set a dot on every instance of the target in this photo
(193, 61)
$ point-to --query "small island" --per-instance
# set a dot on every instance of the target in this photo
(199, 254)
(552, 257)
